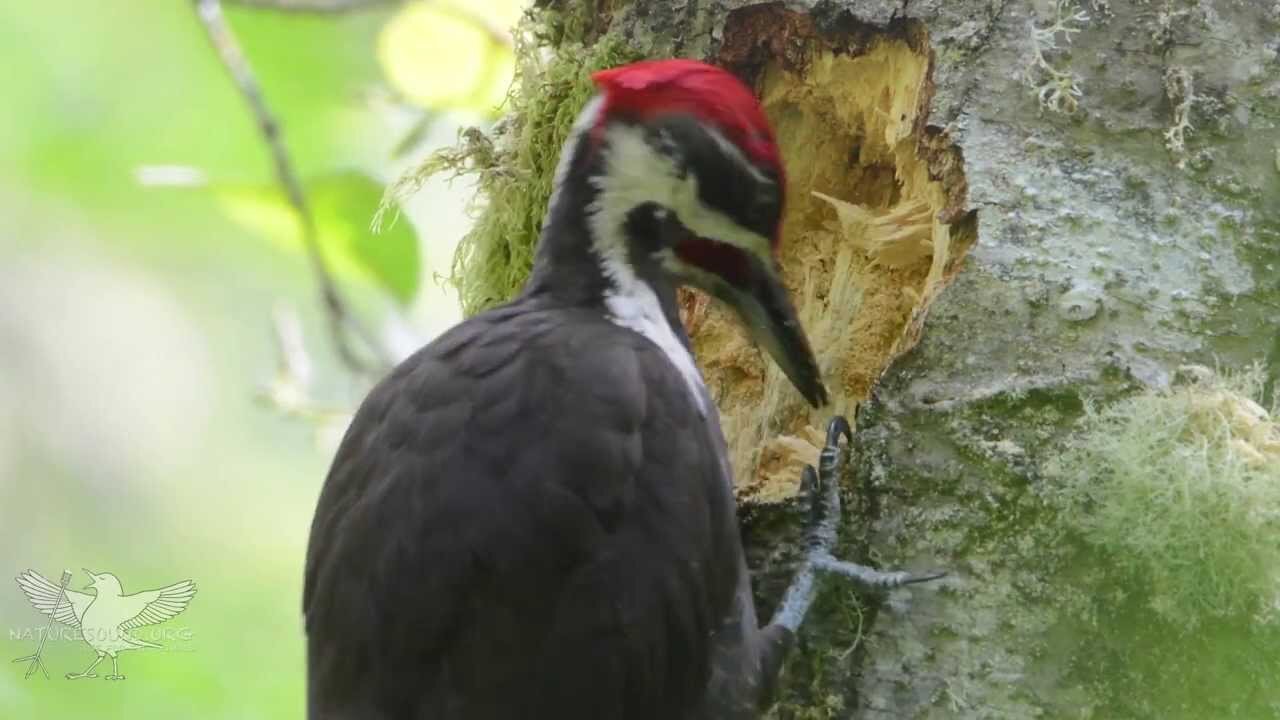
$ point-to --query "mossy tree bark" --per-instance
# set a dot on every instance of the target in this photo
(1000, 211)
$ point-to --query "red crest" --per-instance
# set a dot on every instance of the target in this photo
(713, 94)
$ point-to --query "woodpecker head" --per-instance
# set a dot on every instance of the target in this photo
(677, 179)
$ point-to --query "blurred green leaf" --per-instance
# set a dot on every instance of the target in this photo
(343, 205)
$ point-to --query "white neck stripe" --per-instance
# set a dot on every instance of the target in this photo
(632, 179)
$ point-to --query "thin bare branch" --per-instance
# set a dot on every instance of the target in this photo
(342, 322)
(317, 7)
(497, 34)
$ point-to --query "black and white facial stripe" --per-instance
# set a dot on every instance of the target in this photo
(677, 163)
(725, 212)
(668, 199)
(728, 181)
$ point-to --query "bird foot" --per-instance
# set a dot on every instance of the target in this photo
(821, 488)
(77, 676)
(115, 677)
(870, 578)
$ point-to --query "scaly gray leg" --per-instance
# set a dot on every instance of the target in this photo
(822, 488)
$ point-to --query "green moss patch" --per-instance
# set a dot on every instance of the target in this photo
(1180, 491)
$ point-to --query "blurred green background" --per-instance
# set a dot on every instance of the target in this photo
(145, 427)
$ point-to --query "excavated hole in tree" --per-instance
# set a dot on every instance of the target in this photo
(875, 228)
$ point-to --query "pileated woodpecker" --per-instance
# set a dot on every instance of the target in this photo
(533, 516)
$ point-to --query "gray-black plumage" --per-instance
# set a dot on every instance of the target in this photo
(528, 518)
(508, 537)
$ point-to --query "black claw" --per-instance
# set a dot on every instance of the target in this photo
(926, 577)
(837, 427)
(809, 483)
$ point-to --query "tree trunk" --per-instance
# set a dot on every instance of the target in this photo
(1000, 212)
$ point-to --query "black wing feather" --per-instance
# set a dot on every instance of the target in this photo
(504, 533)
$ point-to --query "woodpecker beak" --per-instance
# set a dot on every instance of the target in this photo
(766, 310)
